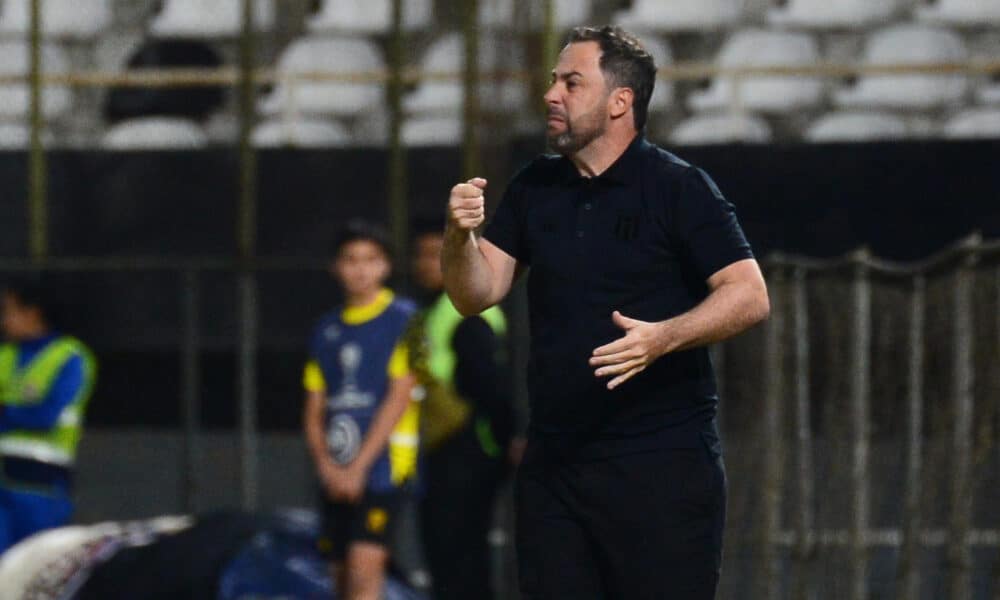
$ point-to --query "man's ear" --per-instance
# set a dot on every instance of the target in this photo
(620, 102)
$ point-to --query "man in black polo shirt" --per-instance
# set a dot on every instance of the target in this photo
(637, 262)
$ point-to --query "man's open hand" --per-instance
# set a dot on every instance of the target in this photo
(629, 355)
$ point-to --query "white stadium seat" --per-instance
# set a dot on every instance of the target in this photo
(680, 15)
(61, 18)
(208, 18)
(345, 56)
(721, 129)
(446, 55)
(663, 91)
(432, 130)
(857, 127)
(976, 13)
(778, 94)
(908, 44)
(977, 123)
(568, 13)
(369, 16)
(15, 97)
(306, 133)
(155, 133)
(17, 136)
(823, 14)
(989, 94)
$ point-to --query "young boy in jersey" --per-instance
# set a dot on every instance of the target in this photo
(360, 424)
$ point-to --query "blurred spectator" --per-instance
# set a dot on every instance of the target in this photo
(186, 102)
(360, 424)
(45, 382)
(466, 428)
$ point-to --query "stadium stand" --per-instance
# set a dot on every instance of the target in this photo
(568, 13)
(368, 16)
(208, 18)
(663, 92)
(848, 126)
(976, 123)
(154, 133)
(343, 98)
(721, 129)
(14, 97)
(773, 94)
(432, 130)
(909, 44)
(446, 55)
(680, 15)
(967, 13)
(824, 14)
(17, 136)
(300, 133)
(60, 18)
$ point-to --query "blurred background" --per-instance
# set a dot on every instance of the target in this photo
(178, 168)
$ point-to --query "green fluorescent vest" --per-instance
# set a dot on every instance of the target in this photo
(30, 385)
(442, 321)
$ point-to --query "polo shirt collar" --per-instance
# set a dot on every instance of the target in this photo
(622, 171)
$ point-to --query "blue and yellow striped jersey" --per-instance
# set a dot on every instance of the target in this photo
(353, 355)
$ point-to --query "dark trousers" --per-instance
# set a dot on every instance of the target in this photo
(457, 511)
(634, 527)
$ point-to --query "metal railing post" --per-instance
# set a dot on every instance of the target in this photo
(471, 165)
(860, 385)
(38, 213)
(771, 434)
(399, 214)
(908, 576)
(802, 586)
(247, 233)
(959, 559)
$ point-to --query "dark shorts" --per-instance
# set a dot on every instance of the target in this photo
(372, 520)
(633, 527)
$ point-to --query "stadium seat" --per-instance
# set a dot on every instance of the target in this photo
(908, 44)
(311, 133)
(155, 133)
(663, 92)
(827, 14)
(975, 13)
(208, 18)
(680, 15)
(989, 94)
(446, 55)
(15, 97)
(568, 13)
(776, 94)
(857, 127)
(432, 130)
(977, 123)
(371, 129)
(17, 136)
(314, 54)
(369, 16)
(721, 129)
(61, 18)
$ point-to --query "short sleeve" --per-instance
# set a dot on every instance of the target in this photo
(312, 378)
(506, 229)
(706, 225)
(399, 362)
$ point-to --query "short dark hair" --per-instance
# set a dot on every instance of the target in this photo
(36, 292)
(426, 225)
(360, 229)
(624, 62)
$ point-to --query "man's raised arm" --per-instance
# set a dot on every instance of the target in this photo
(477, 274)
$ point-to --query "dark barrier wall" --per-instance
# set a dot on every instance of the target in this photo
(902, 200)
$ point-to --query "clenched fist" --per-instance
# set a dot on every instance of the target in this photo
(467, 205)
